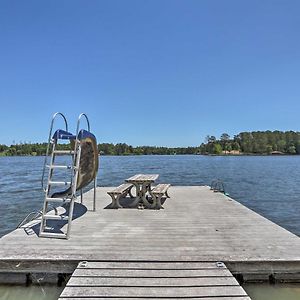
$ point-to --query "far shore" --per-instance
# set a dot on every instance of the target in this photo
(161, 154)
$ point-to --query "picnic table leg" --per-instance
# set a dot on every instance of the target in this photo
(138, 197)
(115, 201)
(167, 195)
(146, 187)
(153, 197)
(157, 201)
(130, 193)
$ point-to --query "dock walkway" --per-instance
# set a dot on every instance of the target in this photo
(196, 225)
(116, 280)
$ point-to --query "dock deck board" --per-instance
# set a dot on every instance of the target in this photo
(196, 225)
(153, 280)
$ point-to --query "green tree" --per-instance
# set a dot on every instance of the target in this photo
(292, 149)
(269, 149)
(225, 137)
(281, 145)
(217, 149)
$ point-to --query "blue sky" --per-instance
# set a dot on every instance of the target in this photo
(161, 72)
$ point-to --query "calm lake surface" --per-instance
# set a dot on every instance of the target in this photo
(9, 292)
(270, 185)
(267, 184)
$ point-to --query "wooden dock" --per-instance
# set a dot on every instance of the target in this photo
(196, 225)
(117, 280)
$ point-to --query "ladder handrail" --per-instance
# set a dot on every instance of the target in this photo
(35, 215)
(49, 141)
(217, 185)
(78, 123)
(76, 143)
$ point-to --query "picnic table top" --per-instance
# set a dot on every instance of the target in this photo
(142, 178)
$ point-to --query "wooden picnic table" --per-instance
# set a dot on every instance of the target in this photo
(142, 183)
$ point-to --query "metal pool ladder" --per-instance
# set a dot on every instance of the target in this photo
(70, 196)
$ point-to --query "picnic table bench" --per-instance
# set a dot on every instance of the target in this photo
(158, 192)
(119, 192)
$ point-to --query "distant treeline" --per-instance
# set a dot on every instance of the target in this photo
(256, 142)
(104, 149)
(124, 149)
(22, 149)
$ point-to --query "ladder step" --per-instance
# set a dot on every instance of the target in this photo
(59, 183)
(64, 152)
(55, 217)
(58, 200)
(59, 167)
(53, 235)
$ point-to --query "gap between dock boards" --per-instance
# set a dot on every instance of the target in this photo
(147, 280)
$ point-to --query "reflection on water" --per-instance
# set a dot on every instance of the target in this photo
(273, 292)
(9, 292)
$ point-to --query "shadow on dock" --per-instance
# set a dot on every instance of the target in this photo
(54, 225)
(128, 203)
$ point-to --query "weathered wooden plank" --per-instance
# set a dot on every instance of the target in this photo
(142, 177)
(197, 225)
(150, 265)
(159, 298)
(175, 292)
(161, 188)
(121, 188)
(142, 279)
(134, 177)
(151, 273)
(170, 282)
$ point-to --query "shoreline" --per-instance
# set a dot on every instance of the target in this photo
(163, 154)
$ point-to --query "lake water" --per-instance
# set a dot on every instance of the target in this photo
(273, 292)
(8, 292)
(267, 184)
